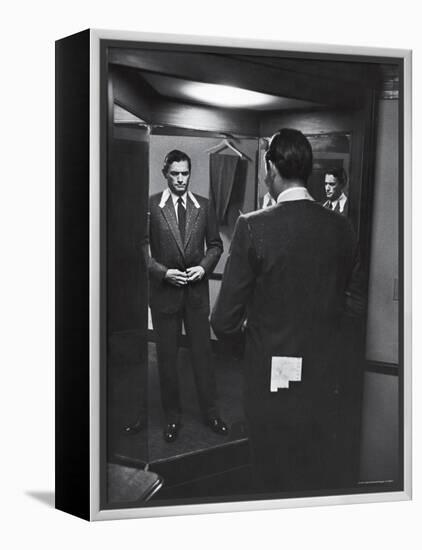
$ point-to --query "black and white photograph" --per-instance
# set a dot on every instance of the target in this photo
(210, 275)
(252, 274)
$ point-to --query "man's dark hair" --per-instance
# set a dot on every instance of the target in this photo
(175, 156)
(291, 153)
(339, 174)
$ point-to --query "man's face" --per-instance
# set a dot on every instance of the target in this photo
(332, 188)
(177, 177)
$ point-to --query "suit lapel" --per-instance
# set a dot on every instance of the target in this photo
(191, 214)
(170, 216)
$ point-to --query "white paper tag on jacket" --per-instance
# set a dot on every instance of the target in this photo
(285, 370)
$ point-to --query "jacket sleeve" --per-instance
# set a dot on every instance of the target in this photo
(156, 270)
(238, 282)
(214, 244)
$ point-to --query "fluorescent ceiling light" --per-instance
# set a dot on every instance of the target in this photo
(219, 95)
(226, 96)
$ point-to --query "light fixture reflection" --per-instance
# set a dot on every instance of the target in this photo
(226, 96)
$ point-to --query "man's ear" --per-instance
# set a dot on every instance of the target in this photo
(275, 175)
(269, 167)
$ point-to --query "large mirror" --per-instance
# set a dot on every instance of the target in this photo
(165, 100)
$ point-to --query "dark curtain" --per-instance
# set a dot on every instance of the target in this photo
(223, 171)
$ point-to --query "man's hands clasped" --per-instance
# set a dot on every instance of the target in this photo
(182, 278)
(176, 277)
(195, 273)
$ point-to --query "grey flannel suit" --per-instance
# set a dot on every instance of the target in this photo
(293, 271)
(170, 305)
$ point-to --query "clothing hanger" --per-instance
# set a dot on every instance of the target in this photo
(225, 143)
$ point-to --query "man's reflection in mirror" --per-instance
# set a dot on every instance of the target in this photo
(185, 248)
(335, 181)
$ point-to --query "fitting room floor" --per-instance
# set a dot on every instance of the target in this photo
(149, 445)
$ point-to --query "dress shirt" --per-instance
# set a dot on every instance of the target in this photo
(167, 193)
(294, 194)
(341, 201)
(268, 201)
(175, 199)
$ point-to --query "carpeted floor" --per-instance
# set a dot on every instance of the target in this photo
(125, 387)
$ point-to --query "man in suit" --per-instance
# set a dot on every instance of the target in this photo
(292, 272)
(335, 183)
(185, 247)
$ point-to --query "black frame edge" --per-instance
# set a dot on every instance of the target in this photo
(72, 450)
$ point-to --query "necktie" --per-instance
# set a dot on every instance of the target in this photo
(330, 205)
(181, 215)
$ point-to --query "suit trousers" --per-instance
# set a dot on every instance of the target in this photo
(168, 329)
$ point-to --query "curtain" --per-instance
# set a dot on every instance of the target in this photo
(223, 171)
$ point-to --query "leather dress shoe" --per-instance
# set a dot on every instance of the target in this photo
(136, 427)
(218, 426)
(171, 432)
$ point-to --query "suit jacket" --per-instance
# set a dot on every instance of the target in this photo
(202, 246)
(345, 210)
(293, 272)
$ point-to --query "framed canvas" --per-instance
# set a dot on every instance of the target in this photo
(154, 414)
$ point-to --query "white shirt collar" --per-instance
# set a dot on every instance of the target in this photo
(167, 193)
(175, 198)
(267, 200)
(294, 194)
(341, 202)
